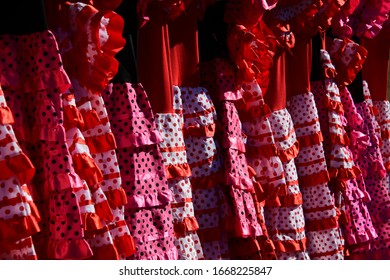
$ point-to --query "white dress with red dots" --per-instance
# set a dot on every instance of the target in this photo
(19, 215)
(321, 224)
(208, 198)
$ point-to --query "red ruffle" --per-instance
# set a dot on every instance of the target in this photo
(116, 198)
(254, 112)
(260, 195)
(72, 118)
(103, 210)
(207, 182)
(385, 134)
(19, 166)
(6, 116)
(91, 119)
(347, 73)
(105, 252)
(102, 66)
(178, 170)
(266, 151)
(101, 143)
(17, 245)
(125, 245)
(324, 224)
(267, 246)
(290, 245)
(18, 227)
(125, 140)
(333, 105)
(189, 224)
(77, 249)
(199, 131)
(289, 200)
(290, 153)
(319, 178)
(339, 139)
(310, 140)
(207, 235)
(91, 221)
(87, 169)
(323, 20)
(344, 173)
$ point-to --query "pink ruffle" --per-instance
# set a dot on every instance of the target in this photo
(243, 183)
(244, 230)
(168, 255)
(183, 228)
(234, 143)
(360, 237)
(60, 182)
(149, 200)
(54, 79)
(231, 95)
(127, 140)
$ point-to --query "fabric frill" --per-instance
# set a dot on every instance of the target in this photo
(178, 171)
(284, 218)
(346, 181)
(35, 89)
(321, 216)
(366, 150)
(147, 211)
(203, 156)
(19, 216)
(88, 41)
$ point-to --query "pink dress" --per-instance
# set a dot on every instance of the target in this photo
(368, 156)
(96, 58)
(37, 106)
(346, 179)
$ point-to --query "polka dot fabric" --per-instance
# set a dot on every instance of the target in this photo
(136, 123)
(262, 151)
(90, 67)
(370, 160)
(143, 177)
(237, 179)
(19, 216)
(383, 119)
(94, 206)
(284, 219)
(322, 230)
(178, 172)
(355, 219)
(43, 139)
(205, 162)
